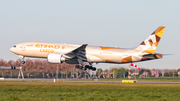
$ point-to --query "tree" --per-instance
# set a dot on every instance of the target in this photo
(146, 70)
(173, 73)
(166, 75)
(98, 72)
(106, 73)
(121, 72)
(114, 71)
(10, 63)
(178, 70)
(18, 63)
(149, 71)
(160, 74)
(2, 62)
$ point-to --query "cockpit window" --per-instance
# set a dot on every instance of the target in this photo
(14, 46)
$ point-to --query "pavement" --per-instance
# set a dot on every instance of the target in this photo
(139, 82)
(64, 81)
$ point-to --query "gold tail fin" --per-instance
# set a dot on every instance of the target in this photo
(150, 44)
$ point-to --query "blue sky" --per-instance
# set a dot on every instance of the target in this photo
(120, 23)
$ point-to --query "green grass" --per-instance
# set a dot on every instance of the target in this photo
(24, 91)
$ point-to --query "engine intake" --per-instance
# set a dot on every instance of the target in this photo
(55, 58)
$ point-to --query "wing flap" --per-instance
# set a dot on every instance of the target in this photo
(78, 53)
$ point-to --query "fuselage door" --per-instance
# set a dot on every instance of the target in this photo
(23, 48)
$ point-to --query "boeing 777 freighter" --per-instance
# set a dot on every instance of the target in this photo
(78, 54)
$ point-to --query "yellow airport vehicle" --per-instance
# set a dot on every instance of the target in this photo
(129, 81)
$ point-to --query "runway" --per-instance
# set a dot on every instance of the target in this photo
(69, 81)
(139, 82)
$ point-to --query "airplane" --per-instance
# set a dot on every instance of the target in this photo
(80, 54)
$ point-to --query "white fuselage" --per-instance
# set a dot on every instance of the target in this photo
(93, 53)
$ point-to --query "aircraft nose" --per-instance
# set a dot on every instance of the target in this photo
(12, 49)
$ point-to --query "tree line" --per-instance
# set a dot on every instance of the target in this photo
(123, 72)
(39, 68)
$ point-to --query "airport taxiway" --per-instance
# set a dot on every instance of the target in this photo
(64, 81)
(139, 82)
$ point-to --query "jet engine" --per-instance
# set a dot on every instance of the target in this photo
(152, 56)
(55, 58)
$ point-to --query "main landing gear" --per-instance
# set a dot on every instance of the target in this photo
(22, 59)
(85, 67)
(84, 70)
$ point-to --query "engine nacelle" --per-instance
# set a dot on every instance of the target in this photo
(55, 58)
(153, 56)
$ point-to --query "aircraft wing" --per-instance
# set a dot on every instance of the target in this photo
(78, 53)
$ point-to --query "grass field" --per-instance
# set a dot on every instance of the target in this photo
(24, 91)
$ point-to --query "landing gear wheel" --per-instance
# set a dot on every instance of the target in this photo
(93, 69)
(90, 67)
(23, 62)
(22, 59)
(87, 66)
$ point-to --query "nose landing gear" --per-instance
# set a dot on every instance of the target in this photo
(22, 59)
(23, 62)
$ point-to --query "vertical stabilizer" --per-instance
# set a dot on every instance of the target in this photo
(149, 45)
